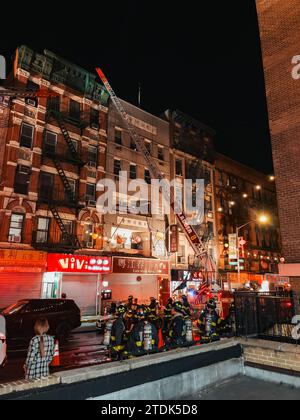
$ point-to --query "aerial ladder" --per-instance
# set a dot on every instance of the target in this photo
(193, 238)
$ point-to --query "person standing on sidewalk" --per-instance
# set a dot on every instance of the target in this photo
(40, 352)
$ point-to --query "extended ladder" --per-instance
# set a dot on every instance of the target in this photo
(190, 233)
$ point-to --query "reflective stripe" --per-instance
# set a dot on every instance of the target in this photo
(139, 344)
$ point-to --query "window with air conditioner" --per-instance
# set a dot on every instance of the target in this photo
(16, 227)
(22, 180)
(34, 88)
(26, 139)
(42, 232)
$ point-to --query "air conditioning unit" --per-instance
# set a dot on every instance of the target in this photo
(92, 164)
(15, 239)
(24, 170)
(182, 260)
(95, 126)
(92, 174)
(92, 203)
(31, 102)
(90, 245)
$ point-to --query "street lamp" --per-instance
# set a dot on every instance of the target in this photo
(262, 219)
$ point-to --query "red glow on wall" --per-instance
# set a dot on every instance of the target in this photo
(78, 264)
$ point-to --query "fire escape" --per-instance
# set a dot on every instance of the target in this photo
(68, 241)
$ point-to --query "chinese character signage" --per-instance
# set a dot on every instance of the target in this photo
(232, 247)
(19, 258)
(78, 264)
(174, 239)
(140, 266)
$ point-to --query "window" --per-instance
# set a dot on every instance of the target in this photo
(71, 196)
(53, 104)
(94, 118)
(46, 185)
(74, 110)
(69, 226)
(88, 235)
(22, 180)
(133, 173)
(16, 227)
(26, 136)
(93, 154)
(179, 171)
(117, 167)
(50, 142)
(148, 146)
(133, 145)
(90, 192)
(160, 154)
(147, 176)
(42, 230)
(118, 137)
(33, 87)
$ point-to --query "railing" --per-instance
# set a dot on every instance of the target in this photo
(58, 196)
(56, 241)
(61, 152)
(266, 315)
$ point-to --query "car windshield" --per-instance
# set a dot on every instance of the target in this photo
(16, 307)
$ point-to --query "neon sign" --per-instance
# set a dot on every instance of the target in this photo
(78, 264)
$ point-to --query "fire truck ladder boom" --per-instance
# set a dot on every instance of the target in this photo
(192, 236)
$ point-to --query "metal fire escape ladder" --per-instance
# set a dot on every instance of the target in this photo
(57, 116)
(195, 241)
(73, 239)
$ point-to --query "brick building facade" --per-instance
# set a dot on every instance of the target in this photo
(279, 29)
(242, 194)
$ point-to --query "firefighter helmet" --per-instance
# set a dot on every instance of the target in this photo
(178, 307)
(121, 310)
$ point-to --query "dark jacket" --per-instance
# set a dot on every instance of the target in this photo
(177, 330)
(117, 333)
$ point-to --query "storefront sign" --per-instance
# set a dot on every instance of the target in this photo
(140, 266)
(78, 264)
(232, 247)
(174, 239)
(22, 261)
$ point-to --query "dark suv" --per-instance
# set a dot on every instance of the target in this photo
(63, 316)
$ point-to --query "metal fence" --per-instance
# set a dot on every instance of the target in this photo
(266, 315)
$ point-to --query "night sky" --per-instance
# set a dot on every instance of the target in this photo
(200, 57)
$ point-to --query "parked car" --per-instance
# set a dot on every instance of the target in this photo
(3, 348)
(63, 316)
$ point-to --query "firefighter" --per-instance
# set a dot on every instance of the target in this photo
(167, 316)
(177, 328)
(117, 334)
(209, 322)
(153, 310)
(186, 307)
(143, 338)
(129, 319)
(113, 309)
(129, 303)
(228, 325)
(135, 306)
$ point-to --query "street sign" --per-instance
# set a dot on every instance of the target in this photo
(232, 246)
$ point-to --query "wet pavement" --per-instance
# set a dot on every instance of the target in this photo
(82, 349)
(248, 389)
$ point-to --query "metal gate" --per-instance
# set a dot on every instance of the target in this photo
(265, 315)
